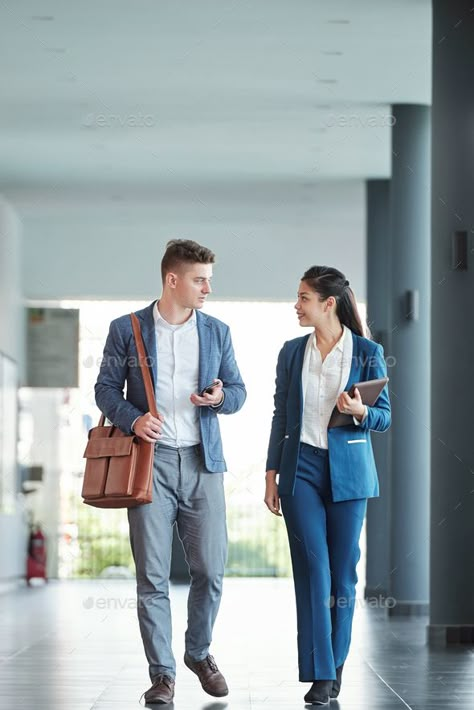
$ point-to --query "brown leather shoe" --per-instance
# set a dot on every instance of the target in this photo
(212, 680)
(161, 692)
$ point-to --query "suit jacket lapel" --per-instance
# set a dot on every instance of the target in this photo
(354, 374)
(205, 343)
(299, 359)
(147, 324)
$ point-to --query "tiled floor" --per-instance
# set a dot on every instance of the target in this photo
(76, 645)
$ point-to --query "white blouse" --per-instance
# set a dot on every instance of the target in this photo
(322, 383)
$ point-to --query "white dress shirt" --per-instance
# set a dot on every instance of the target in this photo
(177, 349)
(322, 383)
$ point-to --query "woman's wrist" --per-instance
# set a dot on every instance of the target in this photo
(360, 417)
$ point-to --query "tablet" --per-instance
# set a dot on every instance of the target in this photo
(369, 391)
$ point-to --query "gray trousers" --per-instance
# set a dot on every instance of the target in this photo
(185, 493)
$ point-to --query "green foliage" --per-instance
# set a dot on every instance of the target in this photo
(97, 553)
(102, 538)
(258, 544)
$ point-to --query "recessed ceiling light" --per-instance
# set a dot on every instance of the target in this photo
(42, 18)
(338, 22)
(332, 52)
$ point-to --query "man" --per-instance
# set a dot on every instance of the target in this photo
(195, 377)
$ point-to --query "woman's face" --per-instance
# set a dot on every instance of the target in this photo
(311, 311)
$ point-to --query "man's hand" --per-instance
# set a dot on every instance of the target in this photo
(148, 427)
(351, 405)
(272, 499)
(213, 399)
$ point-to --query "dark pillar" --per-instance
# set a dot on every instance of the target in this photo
(410, 348)
(378, 317)
(452, 339)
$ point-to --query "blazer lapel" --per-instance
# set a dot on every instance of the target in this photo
(205, 343)
(299, 360)
(354, 374)
(147, 324)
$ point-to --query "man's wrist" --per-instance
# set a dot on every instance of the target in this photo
(214, 406)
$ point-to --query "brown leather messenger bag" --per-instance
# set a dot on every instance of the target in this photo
(119, 467)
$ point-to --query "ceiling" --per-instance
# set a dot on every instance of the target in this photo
(250, 126)
(119, 92)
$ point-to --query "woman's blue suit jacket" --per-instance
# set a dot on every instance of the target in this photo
(351, 459)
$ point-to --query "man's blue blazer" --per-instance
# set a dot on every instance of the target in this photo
(351, 459)
(120, 366)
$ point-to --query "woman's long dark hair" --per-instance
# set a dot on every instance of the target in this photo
(327, 281)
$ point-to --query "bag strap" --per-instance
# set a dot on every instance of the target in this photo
(150, 392)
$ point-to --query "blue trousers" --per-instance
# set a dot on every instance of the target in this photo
(324, 546)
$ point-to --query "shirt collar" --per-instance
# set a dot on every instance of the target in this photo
(344, 337)
(340, 343)
(158, 318)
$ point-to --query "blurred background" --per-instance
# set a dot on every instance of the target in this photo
(280, 135)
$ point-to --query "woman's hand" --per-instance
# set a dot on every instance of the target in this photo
(272, 499)
(351, 405)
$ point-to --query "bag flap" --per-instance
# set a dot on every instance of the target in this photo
(110, 446)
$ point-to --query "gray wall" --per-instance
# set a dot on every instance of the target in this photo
(109, 245)
(12, 526)
(11, 318)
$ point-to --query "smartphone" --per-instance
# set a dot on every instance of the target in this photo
(208, 389)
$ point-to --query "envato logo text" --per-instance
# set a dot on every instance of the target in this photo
(355, 120)
(372, 603)
(114, 120)
(110, 603)
(130, 361)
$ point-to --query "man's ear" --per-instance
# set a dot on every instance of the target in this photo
(171, 279)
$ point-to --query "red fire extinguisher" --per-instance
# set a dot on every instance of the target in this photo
(36, 562)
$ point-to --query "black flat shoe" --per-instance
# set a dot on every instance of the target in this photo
(319, 693)
(336, 684)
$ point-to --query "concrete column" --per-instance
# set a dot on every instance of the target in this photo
(452, 332)
(410, 348)
(378, 317)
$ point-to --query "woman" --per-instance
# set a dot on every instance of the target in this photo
(325, 474)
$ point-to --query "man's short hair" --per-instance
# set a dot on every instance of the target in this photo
(184, 251)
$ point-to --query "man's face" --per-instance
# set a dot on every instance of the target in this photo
(191, 285)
